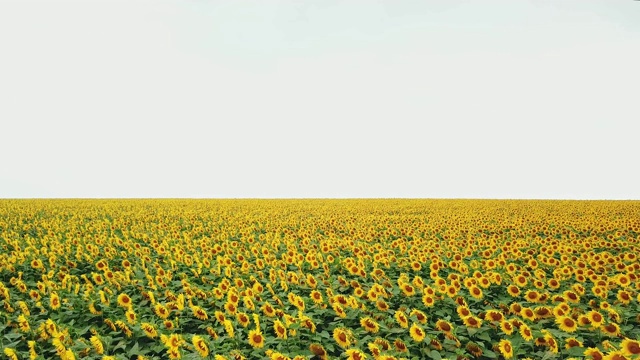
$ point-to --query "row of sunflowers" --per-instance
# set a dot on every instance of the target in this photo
(319, 279)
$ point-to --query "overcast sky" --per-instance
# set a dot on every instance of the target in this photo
(431, 98)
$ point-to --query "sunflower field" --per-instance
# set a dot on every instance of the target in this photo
(319, 279)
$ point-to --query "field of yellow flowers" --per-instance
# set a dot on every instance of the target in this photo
(319, 279)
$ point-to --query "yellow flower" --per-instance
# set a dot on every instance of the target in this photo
(355, 354)
(416, 332)
(342, 336)
(280, 329)
(567, 324)
(505, 348)
(199, 313)
(54, 301)
(149, 330)
(131, 317)
(369, 325)
(630, 347)
(124, 301)
(97, 345)
(200, 345)
(256, 339)
(11, 353)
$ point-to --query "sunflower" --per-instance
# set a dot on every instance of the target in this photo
(611, 329)
(408, 290)
(23, 323)
(567, 324)
(339, 310)
(161, 311)
(472, 322)
(149, 330)
(369, 325)
(494, 315)
(417, 333)
(551, 343)
(319, 351)
(231, 307)
(474, 349)
(444, 326)
(615, 355)
(475, 292)
(428, 300)
(401, 318)
(513, 290)
(131, 317)
(228, 327)
(400, 346)
(520, 280)
(525, 332)
(571, 296)
(506, 327)
(342, 336)
(463, 311)
(420, 316)
(96, 344)
(280, 329)
(505, 348)
(124, 301)
(624, 297)
(243, 319)
(595, 318)
(355, 354)
(572, 342)
(543, 312)
(256, 339)
(268, 310)
(220, 316)
(200, 345)
(630, 347)
(54, 301)
(532, 296)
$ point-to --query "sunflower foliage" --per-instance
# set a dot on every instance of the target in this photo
(319, 279)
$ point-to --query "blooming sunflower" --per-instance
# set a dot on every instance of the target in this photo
(256, 339)
(417, 333)
(54, 301)
(319, 351)
(200, 345)
(355, 354)
(567, 324)
(610, 329)
(505, 348)
(444, 326)
(428, 300)
(342, 336)
(572, 342)
(595, 318)
(475, 292)
(506, 327)
(369, 325)
(280, 329)
(401, 318)
(124, 301)
(525, 332)
(420, 316)
(513, 290)
(472, 322)
(630, 347)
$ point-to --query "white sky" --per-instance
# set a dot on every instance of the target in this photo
(437, 98)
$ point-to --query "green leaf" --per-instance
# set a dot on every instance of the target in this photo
(435, 355)
(490, 354)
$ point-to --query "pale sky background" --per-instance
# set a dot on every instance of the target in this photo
(432, 98)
